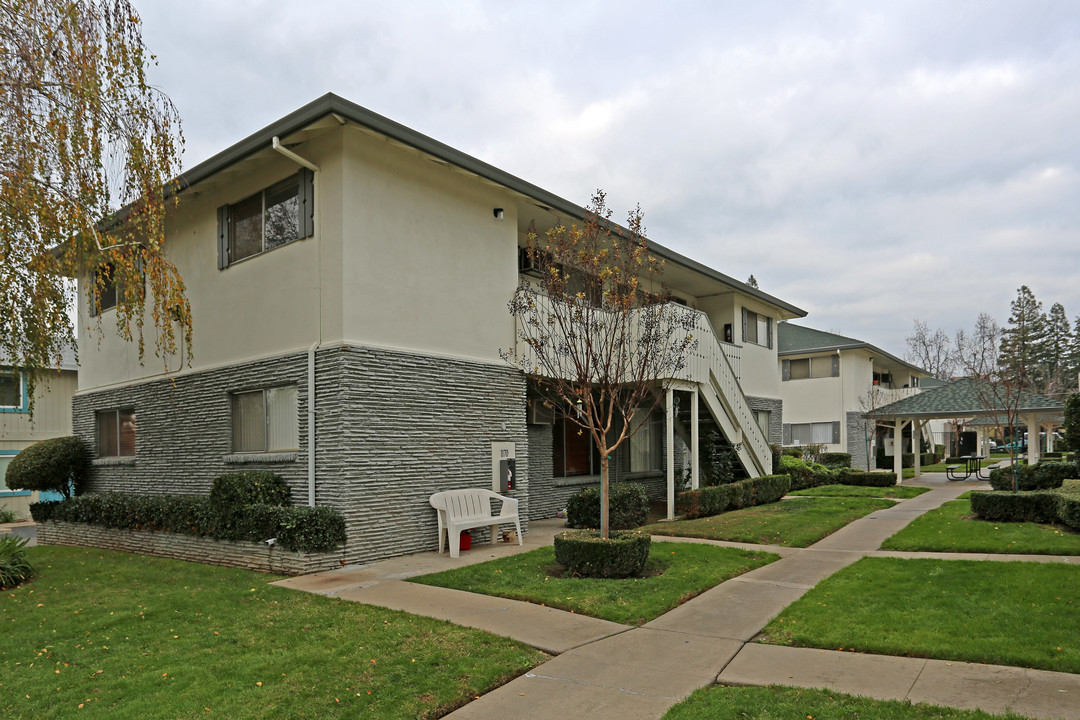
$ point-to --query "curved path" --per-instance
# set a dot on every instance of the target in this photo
(606, 670)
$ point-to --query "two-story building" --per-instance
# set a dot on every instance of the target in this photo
(19, 430)
(828, 382)
(349, 280)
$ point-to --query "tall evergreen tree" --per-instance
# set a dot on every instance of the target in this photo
(1074, 356)
(1056, 361)
(1022, 340)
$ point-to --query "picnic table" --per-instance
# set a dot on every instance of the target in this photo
(972, 466)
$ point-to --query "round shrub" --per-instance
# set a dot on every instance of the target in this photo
(628, 507)
(253, 487)
(58, 464)
(584, 553)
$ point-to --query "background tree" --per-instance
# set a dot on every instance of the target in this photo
(1056, 373)
(932, 351)
(87, 152)
(597, 331)
(1071, 426)
(1022, 340)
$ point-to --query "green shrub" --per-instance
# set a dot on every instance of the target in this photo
(836, 460)
(15, 568)
(303, 529)
(7, 516)
(709, 501)
(1040, 476)
(628, 507)
(58, 464)
(250, 488)
(805, 474)
(584, 554)
(866, 479)
(1039, 506)
(1068, 510)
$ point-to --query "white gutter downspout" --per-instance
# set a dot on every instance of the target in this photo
(293, 156)
(314, 346)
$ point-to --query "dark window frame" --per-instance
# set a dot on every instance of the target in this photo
(115, 445)
(229, 215)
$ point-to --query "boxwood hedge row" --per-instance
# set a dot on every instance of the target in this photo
(721, 498)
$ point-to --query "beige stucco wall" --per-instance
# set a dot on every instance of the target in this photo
(52, 413)
(426, 264)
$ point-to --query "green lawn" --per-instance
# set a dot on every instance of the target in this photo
(897, 492)
(676, 573)
(1019, 614)
(787, 703)
(952, 528)
(795, 522)
(101, 634)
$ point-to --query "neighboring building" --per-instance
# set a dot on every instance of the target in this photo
(352, 280)
(829, 381)
(18, 430)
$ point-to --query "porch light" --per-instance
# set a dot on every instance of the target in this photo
(499, 214)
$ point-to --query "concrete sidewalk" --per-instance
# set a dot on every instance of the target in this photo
(605, 670)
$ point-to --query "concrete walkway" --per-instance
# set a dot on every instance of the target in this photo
(606, 670)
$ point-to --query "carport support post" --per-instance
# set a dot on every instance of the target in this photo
(695, 442)
(669, 445)
(1033, 440)
(898, 449)
(916, 442)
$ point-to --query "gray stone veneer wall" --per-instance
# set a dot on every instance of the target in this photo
(251, 556)
(856, 440)
(392, 428)
(776, 419)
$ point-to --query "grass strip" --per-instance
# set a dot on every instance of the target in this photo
(1014, 613)
(794, 522)
(896, 492)
(103, 634)
(676, 572)
(788, 703)
(952, 528)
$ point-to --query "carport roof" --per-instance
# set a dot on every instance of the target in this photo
(962, 398)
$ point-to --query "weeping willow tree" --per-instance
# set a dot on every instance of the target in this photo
(596, 330)
(88, 156)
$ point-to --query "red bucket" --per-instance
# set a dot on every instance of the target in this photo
(466, 540)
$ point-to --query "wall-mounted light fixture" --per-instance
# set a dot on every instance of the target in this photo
(499, 214)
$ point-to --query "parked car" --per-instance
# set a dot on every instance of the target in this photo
(1016, 446)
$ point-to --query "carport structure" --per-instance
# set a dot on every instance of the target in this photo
(968, 399)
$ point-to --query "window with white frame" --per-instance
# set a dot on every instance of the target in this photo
(762, 418)
(645, 449)
(818, 433)
(272, 217)
(265, 420)
(757, 328)
(12, 392)
(116, 433)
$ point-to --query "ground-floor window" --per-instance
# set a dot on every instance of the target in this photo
(645, 444)
(573, 450)
(819, 433)
(116, 433)
(265, 420)
(762, 418)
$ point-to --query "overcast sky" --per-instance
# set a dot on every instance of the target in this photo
(870, 162)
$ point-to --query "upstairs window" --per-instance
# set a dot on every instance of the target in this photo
(265, 421)
(822, 366)
(272, 217)
(12, 392)
(757, 329)
(116, 433)
(107, 296)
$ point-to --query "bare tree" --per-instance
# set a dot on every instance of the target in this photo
(932, 351)
(868, 403)
(596, 331)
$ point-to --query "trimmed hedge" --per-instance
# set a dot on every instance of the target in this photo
(709, 501)
(803, 474)
(628, 507)
(57, 464)
(1040, 476)
(1040, 506)
(584, 554)
(866, 479)
(250, 488)
(302, 529)
(835, 460)
(1068, 510)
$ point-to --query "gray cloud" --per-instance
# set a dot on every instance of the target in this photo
(871, 163)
